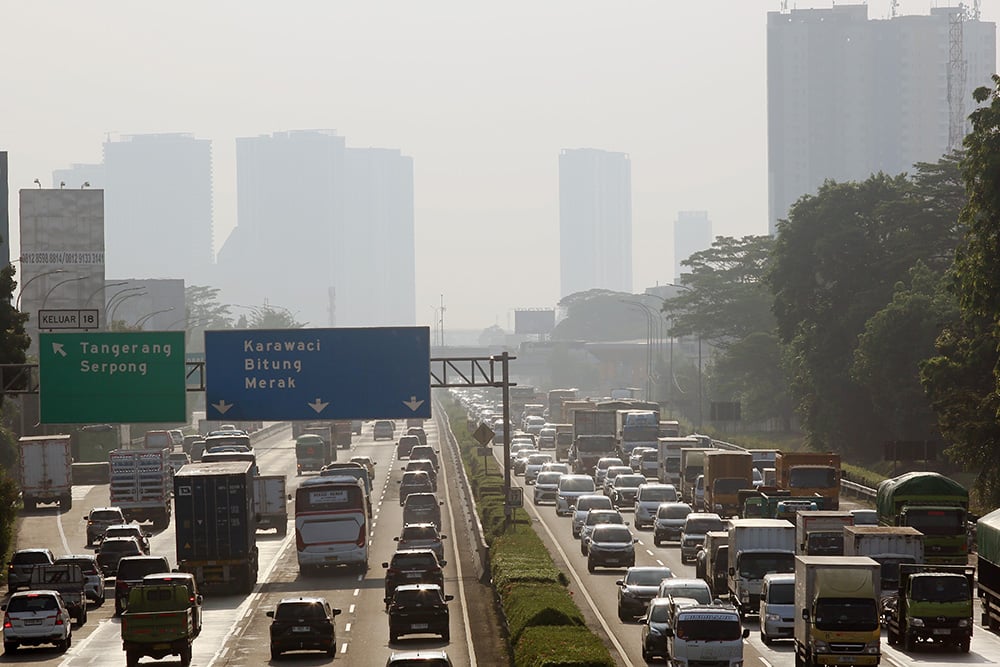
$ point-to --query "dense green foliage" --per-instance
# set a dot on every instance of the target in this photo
(603, 315)
(14, 343)
(560, 646)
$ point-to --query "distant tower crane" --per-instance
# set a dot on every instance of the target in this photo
(957, 67)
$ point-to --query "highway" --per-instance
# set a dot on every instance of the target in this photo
(235, 628)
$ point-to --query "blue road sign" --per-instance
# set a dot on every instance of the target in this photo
(286, 374)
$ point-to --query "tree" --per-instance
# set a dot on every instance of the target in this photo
(603, 315)
(272, 317)
(203, 311)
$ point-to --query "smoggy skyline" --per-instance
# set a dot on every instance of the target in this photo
(482, 97)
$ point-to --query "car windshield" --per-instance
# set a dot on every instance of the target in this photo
(781, 593)
(756, 565)
(296, 610)
(612, 533)
(538, 459)
(419, 533)
(604, 516)
(658, 494)
(694, 591)
(647, 577)
(708, 626)
(594, 503)
(659, 613)
(629, 481)
(940, 589)
(846, 614)
(577, 484)
(673, 512)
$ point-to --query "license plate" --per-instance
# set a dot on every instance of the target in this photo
(300, 628)
(419, 626)
(160, 647)
(942, 631)
(330, 559)
(412, 575)
(32, 621)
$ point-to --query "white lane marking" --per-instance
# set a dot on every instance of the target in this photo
(343, 649)
(660, 563)
(650, 552)
(350, 610)
(347, 626)
(766, 663)
(357, 591)
(62, 533)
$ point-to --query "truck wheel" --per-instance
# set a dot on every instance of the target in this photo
(765, 639)
(799, 662)
(908, 642)
(963, 646)
(656, 541)
(185, 656)
(83, 613)
(66, 503)
(893, 639)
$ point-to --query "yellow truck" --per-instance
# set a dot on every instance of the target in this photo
(809, 473)
(726, 472)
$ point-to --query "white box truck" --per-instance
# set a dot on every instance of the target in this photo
(757, 547)
(46, 471)
(270, 502)
(821, 532)
(889, 546)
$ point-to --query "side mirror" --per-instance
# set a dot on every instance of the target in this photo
(449, 598)
(626, 523)
(732, 571)
(395, 539)
(289, 496)
(399, 481)
(385, 565)
(443, 537)
(442, 563)
(147, 534)
(441, 502)
(746, 632)
(269, 614)
(805, 614)
(620, 582)
(335, 612)
(199, 599)
(668, 632)
(635, 540)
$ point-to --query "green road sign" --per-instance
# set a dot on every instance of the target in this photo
(127, 377)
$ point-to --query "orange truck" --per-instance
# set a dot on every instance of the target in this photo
(726, 472)
(806, 473)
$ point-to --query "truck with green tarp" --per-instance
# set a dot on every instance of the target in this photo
(988, 544)
(935, 505)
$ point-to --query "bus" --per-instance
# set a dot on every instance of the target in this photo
(331, 523)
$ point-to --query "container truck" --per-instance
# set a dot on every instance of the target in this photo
(670, 428)
(808, 473)
(726, 472)
(988, 544)
(692, 464)
(836, 611)
(45, 470)
(636, 428)
(554, 401)
(270, 502)
(668, 459)
(889, 546)
(570, 407)
(594, 422)
(932, 605)
(589, 449)
(935, 505)
(140, 484)
(757, 547)
(820, 532)
(215, 527)
(342, 432)
(519, 396)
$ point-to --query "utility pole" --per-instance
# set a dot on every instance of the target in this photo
(441, 322)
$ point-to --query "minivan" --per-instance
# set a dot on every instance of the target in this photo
(777, 607)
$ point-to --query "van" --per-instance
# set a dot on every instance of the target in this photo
(777, 607)
(706, 634)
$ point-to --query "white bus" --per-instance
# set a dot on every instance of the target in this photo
(331, 523)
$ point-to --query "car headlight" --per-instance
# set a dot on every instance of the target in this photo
(872, 648)
(773, 617)
(917, 622)
(821, 647)
(964, 622)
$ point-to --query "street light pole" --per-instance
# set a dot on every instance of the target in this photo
(649, 350)
(101, 289)
(61, 282)
(17, 303)
(111, 317)
(141, 322)
(701, 396)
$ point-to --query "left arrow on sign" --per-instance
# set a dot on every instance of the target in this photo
(222, 406)
(57, 348)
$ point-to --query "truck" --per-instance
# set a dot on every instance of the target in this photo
(93, 443)
(158, 621)
(932, 605)
(716, 562)
(587, 450)
(555, 399)
(988, 559)
(757, 547)
(68, 580)
(890, 547)
(140, 484)
(519, 396)
(808, 473)
(670, 428)
(837, 617)
(45, 471)
(821, 532)
(215, 529)
(772, 503)
(935, 505)
(706, 635)
(668, 459)
(726, 472)
(342, 432)
(692, 464)
(594, 422)
(270, 503)
(636, 428)
(570, 407)
(564, 440)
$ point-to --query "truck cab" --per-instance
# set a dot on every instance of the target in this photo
(706, 634)
(933, 605)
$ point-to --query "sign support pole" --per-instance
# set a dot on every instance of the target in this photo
(507, 510)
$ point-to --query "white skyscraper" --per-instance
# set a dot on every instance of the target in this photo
(692, 233)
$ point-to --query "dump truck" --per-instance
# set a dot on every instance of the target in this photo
(889, 546)
(808, 473)
(932, 605)
(45, 471)
(215, 528)
(837, 611)
(158, 622)
(935, 505)
(726, 472)
(140, 485)
(821, 532)
(988, 544)
(757, 547)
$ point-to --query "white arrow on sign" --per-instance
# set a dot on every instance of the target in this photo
(57, 348)
(413, 403)
(222, 406)
(318, 405)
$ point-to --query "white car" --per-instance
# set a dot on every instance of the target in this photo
(572, 487)
(649, 498)
(556, 467)
(546, 487)
(533, 466)
(36, 617)
(583, 505)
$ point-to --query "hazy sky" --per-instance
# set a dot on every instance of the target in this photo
(482, 96)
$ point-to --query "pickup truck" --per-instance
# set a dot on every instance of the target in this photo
(158, 622)
(68, 581)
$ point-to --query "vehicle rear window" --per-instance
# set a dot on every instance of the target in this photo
(294, 610)
(105, 515)
(137, 569)
(413, 561)
(25, 603)
(419, 533)
(29, 558)
(418, 500)
(86, 565)
(422, 597)
(114, 546)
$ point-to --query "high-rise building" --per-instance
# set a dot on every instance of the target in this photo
(595, 221)
(4, 211)
(158, 206)
(848, 96)
(79, 176)
(692, 233)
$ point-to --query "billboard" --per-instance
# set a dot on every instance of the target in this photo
(534, 321)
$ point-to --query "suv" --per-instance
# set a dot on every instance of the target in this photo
(596, 518)
(415, 481)
(405, 446)
(113, 549)
(131, 571)
(419, 609)
(421, 536)
(426, 452)
(99, 519)
(648, 499)
(669, 521)
(423, 464)
(583, 505)
(419, 432)
(412, 566)
(129, 530)
(93, 586)
(304, 623)
(610, 545)
(637, 588)
(422, 508)
(570, 488)
(693, 532)
(21, 564)
(419, 659)
(36, 617)
(187, 580)
(383, 428)
(625, 488)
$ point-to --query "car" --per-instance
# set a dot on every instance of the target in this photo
(696, 589)
(419, 609)
(405, 445)
(654, 627)
(534, 425)
(178, 459)
(533, 465)
(131, 570)
(637, 588)
(303, 623)
(113, 549)
(556, 466)
(383, 428)
(188, 441)
(520, 462)
(546, 486)
(594, 518)
(610, 545)
(429, 658)
(601, 469)
(197, 449)
(865, 517)
(367, 462)
(518, 447)
(699, 492)
(777, 607)
(423, 464)
(647, 500)
(609, 477)
(176, 437)
(415, 481)
(93, 580)
(422, 508)
(419, 432)
(572, 487)
(421, 536)
(21, 563)
(669, 521)
(35, 617)
(100, 518)
(583, 505)
(426, 452)
(625, 488)
(412, 566)
(693, 532)
(547, 438)
(635, 458)
(129, 530)
(188, 581)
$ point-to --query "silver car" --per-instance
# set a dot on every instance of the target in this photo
(546, 487)
(572, 487)
(93, 586)
(649, 498)
(583, 505)
(36, 617)
(534, 465)
(422, 536)
(777, 607)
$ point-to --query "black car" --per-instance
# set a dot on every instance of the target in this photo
(415, 481)
(422, 464)
(303, 624)
(22, 563)
(412, 566)
(419, 609)
(113, 549)
(131, 571)
(422, 508)
(405, 444)
(637, 588)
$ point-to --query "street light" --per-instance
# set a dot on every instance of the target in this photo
(17, 304)
(649, 338)
(141, 322)
(101, 289)
(61, 282)
(111, 317)
(701, 399)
